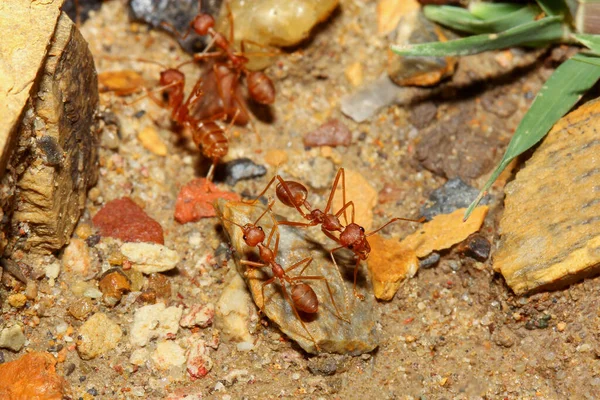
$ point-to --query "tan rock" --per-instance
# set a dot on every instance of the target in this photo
(354, 74)
(276, 157)
(390, 264)
(47, 132)
(389, 13)
(550, 227)
(98, 335)
(151, 140)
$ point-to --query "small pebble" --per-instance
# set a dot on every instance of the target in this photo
(234, 310)
(195, 200)
(159, 285)
(168, 354)
(17, 300)
(152, 141)
(354, 74)
(97, 335)
(332, 133)
(198, 315)
(453, 195)
(113, 285)
(149, 258)
(276, 157)
(430, 261)
(198, 363)
(237, 170)
(76, 258)
(154, 321)
(12, 338)
(124, 219)
(476, 247)
(561, 326)
(81, 308)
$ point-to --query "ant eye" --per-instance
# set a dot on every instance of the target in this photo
(260, 227)
(245, 237)
(362, 229)
(350, 246)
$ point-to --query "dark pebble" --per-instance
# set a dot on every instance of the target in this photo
(539, 323)
(430, 261)
(453, 195)
(93, 391)
(237, 170)
(69, 369)
(476, 247)
(82, 378)
(93, 240)
(53, 153)
(139, 114)
(177, 14)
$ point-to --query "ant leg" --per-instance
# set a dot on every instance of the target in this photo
(300, 224)
(262, 293)
(172, 30)
(203, 55)
(339, 174)
(422, 219)
(343, 209)
(291, 303)
(356, 294)
(230, 18)
(307, 260)
(263, 192)
(338, 314)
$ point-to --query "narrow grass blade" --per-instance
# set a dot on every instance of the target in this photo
(560, 93)
(485, 10)
(553, 7)
(592, 42)
(545, 30)
(460, 19)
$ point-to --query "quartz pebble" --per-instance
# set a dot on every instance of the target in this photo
(76, 258)
(12, 338)
(154, 321)
(198, 362)
(242, 168)
(124, 219)
(168, 354)
(97, 335)
(198, 315)
(235, 310)
(149, 258)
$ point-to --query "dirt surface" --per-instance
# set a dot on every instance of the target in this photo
(453, 331)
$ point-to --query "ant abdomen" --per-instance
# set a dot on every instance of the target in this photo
(211, 138)
(305, 299)
(297, 190)
(260, 87)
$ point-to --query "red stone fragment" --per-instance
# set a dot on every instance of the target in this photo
(195, 200)
(31, 377)
(125, 220)
(331, 133)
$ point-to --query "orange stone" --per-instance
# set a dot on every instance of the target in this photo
(31, 377)
(124, 219)
(195, 200)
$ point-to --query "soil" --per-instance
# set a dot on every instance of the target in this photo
(453, 331)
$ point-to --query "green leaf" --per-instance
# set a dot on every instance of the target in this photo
(545, 30)
(592, 42)
(460, 19)
(485, 10)
(553, 7)
(560, 93)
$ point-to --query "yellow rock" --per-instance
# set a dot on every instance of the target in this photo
(444, 231)
(390, 264)
(276, 157)
(389, 13)
(550, 227)
(354, 74)
(17, 300)
(122, 83)
(152, 141)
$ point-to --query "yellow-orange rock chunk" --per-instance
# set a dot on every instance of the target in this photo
(31, 377)
(392, 262)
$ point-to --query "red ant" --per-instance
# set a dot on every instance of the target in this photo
(351, 236)
(260, 86)
(210, 138)
(303, 297)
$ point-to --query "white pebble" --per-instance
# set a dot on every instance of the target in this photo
(154, 321)
(149, 258)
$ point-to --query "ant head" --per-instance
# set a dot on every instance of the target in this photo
(171, 76)
(353, 238)
(253, 235)
(260, 87)
(202, 23)
(297, 191)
